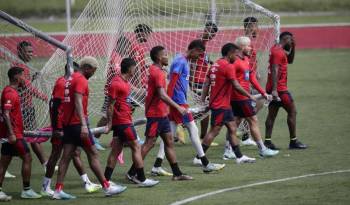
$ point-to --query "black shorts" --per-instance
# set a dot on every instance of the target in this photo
(20, 148)
(126, 133)
(29, 118)
(220, 117)
(156, 126)
(243, 108)
(71, 135)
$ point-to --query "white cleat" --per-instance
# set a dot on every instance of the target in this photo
(245, 159)
(148, 183)
(213, 167)
(9, 175)
(4, 197)
(61, 195)
(197, 161)
(30, 194)
(248, 142)
(228, 155)
(268, 152)
(159, 171)
(114, 189)
(47, 192)
(92, 187)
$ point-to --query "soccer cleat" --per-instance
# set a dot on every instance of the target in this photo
(98, 145)
(114, 189)
(92, 187)
(159, 171)
(61, 195)
(270, 145)
(213, 167)
(47, 192)
(182, 177)
(9, 175)
(296, 144)
(148, 183)
(228, 155)
(30, 194)
(4, 197)
(197, 161)
(131, 179)
(214, 144)
(268, 152)
(245, 159)
(248, 142)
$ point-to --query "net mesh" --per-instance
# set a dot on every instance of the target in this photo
(106, 30)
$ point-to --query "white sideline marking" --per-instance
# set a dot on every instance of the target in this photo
(194, 198)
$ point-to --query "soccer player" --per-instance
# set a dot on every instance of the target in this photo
(11, 127)
(242, 105)
(76, 131)
(25, 53)
(281, 55)
(56, 113)
(201, 67)
(221, 79)
(177, 90)
(156, 111)
(119, 118)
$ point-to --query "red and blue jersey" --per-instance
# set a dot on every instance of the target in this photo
(179, 79)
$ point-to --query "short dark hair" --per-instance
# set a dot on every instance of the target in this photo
(285, 33)
(213, 27)
(143, 28)
(21, 45)
(75, 65)
(155, 52)
(196, 44)
(13, 71)
(249, 20)
(126, 64)
(228, 47)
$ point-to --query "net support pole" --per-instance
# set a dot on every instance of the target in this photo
(68, 15)
(213, 11)
(275, 18)
(41, 35)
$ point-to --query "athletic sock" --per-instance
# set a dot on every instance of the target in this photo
(227, 145)
(46, 182)
(58, 187)
(293, 139)
(205, 147)
(85, 178)
(158, 162)
(204, 160)
(108, 173)
(140, 174)
(176, 170)
(26, 186)
(132, 170)
(268, 138)
(105, 184)
(261, 145)
(237, 151)
(1, 188)
(245, 136)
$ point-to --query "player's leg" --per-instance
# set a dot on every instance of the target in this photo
(39, 152)
(204, 126)
(228, 152)
(5, 160)
(269, 123)
(116, 149)
(289, 105)
(89, 186)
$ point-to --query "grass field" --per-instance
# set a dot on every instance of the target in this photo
(319, 82)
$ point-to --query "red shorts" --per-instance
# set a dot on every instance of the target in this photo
(243, 108)
(20, 148)
(125, 133)
(219, 117)
(286, 100)
(178, 118)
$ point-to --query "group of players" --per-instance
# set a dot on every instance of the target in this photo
(226, 81)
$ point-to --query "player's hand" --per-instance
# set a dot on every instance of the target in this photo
(182, 110)
(252, 97)
(84, 132)
(268, 97)
(274, 95)
(108, 128)
(57, 133)
(12, 139)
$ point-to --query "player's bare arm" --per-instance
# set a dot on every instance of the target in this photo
(162, 94)
(274, 73)
(78, 99)
(12, 136)
(239, 88)
(205, 91)
(110, 107)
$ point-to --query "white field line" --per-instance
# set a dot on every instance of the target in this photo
(186, 29)
(194, 198)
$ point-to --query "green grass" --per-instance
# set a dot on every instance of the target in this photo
(319, 82)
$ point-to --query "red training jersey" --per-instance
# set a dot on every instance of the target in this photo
(58, 92)
(77, 83)
(201, 67)
(119, 91)
(278, 57)
(156, 107)
(221, 74)
(245, 76)
(113, 69)
(10, 100)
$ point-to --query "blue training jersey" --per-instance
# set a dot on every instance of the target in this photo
(181, 66)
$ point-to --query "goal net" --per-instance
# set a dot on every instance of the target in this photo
(112, 29)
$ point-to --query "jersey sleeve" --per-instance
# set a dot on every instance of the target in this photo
(80, 86)
(276, 57)
(177, 66)
(159, 79)
(113, 90)
(58, 90)
(255, 82)
(230, 72)
(9, 99)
